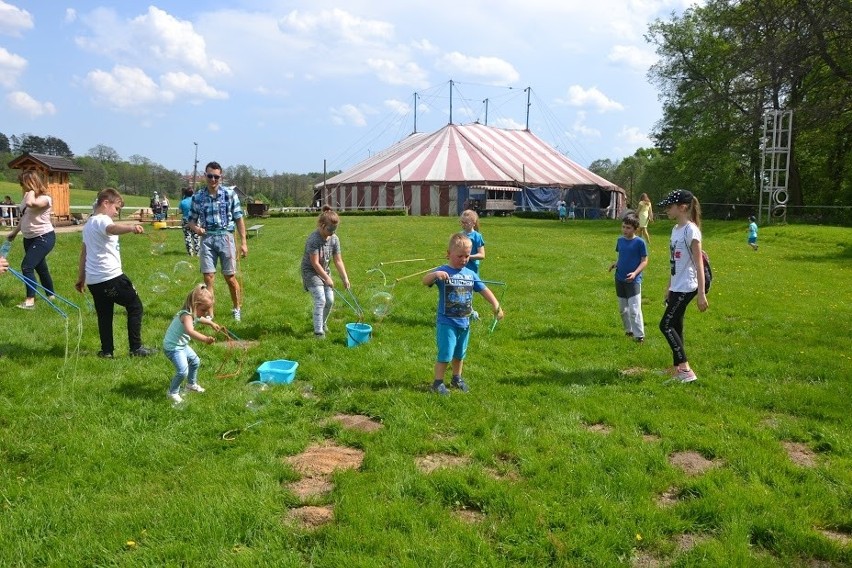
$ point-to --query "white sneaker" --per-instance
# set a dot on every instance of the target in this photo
(686, 376)
(195, 387)
(237, 315)
(175, 397)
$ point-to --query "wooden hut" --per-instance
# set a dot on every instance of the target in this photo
(54, 172)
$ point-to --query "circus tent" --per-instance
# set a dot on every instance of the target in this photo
(432, 173)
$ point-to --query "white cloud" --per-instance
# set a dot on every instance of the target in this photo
(424, 46)
(213, 127)
(25, 104)
(591, 98)
(70, 15)
(13, 20)
(509, 123)
(126, 88)
(498, 71)
(131, 89)
(11, 66)
(338, 24)
(579, 127)
(390, 72)
(348, 114)
(635, 137)
(193, 86)
(155, 40)
(398, 107)
(634, 57)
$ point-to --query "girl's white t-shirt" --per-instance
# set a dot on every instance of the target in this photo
(103, 260)
(685, 277)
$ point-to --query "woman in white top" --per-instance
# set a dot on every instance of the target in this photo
(39, 236)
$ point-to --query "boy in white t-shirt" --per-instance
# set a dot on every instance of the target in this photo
(100, 271)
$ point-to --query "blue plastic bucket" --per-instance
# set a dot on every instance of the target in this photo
(278, 371)
(358, 333)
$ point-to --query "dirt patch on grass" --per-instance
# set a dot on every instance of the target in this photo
(685, 542)
(692, 463)
(431, 462)
(469, 516)
(669, 498)
(645, 560)
(599, 428)
(358, 422)
(650, 438)
(838, 537)
(321, 460)
(800, 454)
(310, 487)
(310, 518)
(633, 371)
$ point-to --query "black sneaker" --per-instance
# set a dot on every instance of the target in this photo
(104, 355)
(142, 352)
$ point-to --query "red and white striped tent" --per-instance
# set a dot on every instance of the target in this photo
(430, 173)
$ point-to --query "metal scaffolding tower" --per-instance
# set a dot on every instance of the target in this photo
(775, 165)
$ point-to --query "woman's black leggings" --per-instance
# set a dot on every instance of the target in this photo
(672, 323)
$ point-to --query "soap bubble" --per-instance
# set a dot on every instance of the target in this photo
(381, 304)
(183, 272)
(159, 282)
(157, 249)
(257, 395)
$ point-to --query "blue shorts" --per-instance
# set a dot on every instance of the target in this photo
(752, 240)
(452, 342)
(218, 247)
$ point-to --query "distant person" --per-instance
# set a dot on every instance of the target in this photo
(321, 247)
(39, 236)
(190, 239)
(563, 211)
(572, 210)
(164, 207)
(646, 215)
(469, 221)
(100, 271)
(197, 308)
(156, 206)
(687, 275)
(752, 232)
(632, 260)
(215, 214)
(7, 209)
(456, 285)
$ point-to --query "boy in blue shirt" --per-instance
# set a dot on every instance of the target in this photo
(632, 260)
(752, 232)
(456, 285)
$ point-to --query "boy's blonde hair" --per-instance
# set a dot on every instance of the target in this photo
(471, 215)
(459, 240)
(200, 296)
(109, 194)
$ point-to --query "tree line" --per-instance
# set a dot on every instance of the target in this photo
(137, 175)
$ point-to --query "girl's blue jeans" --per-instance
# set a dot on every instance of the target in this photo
(186, 364)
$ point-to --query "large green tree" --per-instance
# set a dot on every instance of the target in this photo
(724, 65)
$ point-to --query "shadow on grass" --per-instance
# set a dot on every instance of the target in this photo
(842, 254)
(584, 377)
(563, 333)
(141, 391)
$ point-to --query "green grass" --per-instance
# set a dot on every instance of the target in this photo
(92, 455)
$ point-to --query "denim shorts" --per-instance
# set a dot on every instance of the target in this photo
(218, 247)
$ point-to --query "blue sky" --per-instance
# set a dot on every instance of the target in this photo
(283, 85)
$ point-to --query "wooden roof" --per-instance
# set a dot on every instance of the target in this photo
(52, 163)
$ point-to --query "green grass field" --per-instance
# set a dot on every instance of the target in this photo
(562, 454)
